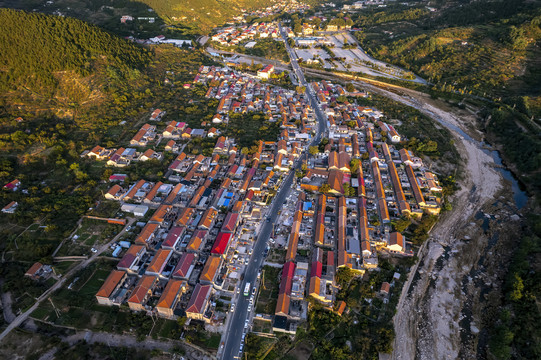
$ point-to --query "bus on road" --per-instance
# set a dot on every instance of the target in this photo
(247, 289)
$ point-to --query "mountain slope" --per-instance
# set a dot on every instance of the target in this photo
(47, 45)
(483, 47)
(58, 64)
(203, 14)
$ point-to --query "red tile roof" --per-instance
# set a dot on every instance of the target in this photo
(129, 257)
(199, 296)
(230, 222)
(220, 245)
(173, 236)
(183, 266)
(316, 269)
(287, 277)
(34, 269)
(145, 285)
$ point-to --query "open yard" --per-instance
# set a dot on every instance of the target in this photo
(268, 291)
(277, 256)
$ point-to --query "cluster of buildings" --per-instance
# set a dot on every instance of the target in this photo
(197, 231)
(234, 35)
(122, 157)
(13, 185)
(277, 7)
(241, 93)
(329, 226)
(174, 133)
(362, 4)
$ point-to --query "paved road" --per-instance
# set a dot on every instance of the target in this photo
(22, 317)
(236, 325)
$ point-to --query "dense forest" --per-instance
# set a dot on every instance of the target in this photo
(106, 14)
(63, 44)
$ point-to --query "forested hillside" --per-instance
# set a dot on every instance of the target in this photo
(39, 50)
(488, 48)
(67, 86)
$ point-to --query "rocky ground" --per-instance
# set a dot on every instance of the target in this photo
(440, 312)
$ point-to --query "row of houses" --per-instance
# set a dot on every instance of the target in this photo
(349, 228)
(203, 218)
(277, 7)
(234, 35)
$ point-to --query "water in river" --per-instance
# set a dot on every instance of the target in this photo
(519, 194)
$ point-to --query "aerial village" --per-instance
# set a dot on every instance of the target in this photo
(201, 223)
(277, 7)
(234, 35)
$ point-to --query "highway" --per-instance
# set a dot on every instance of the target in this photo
(239, 322)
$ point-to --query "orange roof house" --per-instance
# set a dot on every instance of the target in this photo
(210, 270)
(159, 261)
(147, 234)
(131, 193)
(385, 288)
(152, 193)
(341, 306)
(160, 213)
(114, 193)
(185, 216)
(194, 244)
(33, 272)
(282, 305)
(170, 297)
(111, 284)
(396, 242)
(141, 293)
(208, 218)
(173, 194)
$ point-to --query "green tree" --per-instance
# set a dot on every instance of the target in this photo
(518, 287)
(402, 224)
(325, 188)
(354, 165)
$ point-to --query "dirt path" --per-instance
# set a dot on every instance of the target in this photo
(427, 322)
(118, 340)
(24, 316)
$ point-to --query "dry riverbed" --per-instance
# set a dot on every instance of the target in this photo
(440, 315)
